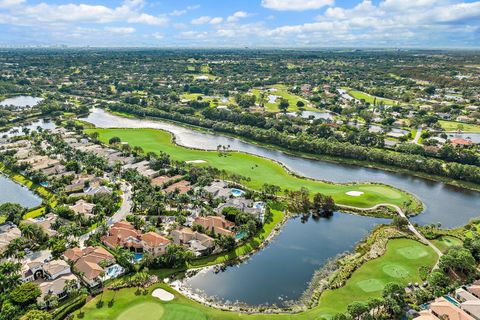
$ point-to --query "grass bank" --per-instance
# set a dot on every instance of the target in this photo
(399, 264)
(258, 169)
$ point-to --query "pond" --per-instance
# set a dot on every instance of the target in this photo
(33, 126)
(283, 269)
(475, 137)
(13, 192)
(313, 114)
(21, 101)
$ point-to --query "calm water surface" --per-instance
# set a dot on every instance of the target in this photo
(42, 123)
(21, 101)
(12, 192)
(283, 269)
(450, 206)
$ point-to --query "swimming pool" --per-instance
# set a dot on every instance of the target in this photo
(240, 235)
(237, 192)
(113, 271)
(138, 256)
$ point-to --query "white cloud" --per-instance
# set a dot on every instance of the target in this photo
(296, 5)
(129, 11)
(207, 19)
(388, 22)
(10, 3)
(120, 30)
(237, 16)
(158, 35)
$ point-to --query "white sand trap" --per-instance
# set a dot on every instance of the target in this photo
(196, 161)
(162, 295)
(354, 193)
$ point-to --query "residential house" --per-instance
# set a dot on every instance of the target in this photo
(83, 208)
(58, 286)
(195, 241)
(442, 308)
(8, 232)
(215, 224)
(91, 263)
(182, 187)
(218, 189)
(44, 222)
(460, 142)
(162, 180)
(123, 234)
(256, 209)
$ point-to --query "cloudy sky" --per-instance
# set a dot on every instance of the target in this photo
(239, 23)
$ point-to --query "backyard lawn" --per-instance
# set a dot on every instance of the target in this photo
(399, 264)
(452, 126)
(259, 170)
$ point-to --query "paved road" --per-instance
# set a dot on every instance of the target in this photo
(418, 135)
(126, 206)
(121, 214)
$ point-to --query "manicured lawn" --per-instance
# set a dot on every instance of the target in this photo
(454, 126)
(399, 264)
(446, 242)
(369, 98)
(259, 170)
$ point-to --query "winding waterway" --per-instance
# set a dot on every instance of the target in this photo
(285, 266)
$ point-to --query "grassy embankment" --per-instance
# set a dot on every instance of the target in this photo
(399, 264)
(259, 170)
(41, 191)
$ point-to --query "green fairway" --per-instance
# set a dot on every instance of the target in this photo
(259, 170)
(281, 91)
(446, 242)
(366, 282)
(359, 95)
(399, 264)
(453, 126)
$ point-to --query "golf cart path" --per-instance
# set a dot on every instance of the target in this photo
(411, 227)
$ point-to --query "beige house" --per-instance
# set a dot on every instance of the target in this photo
(216, 224)
(90, 263)
(197, 242)
(123, 234)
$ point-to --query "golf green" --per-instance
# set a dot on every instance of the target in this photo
(259, 170)
(413, 252)
(145, 311)
(370, 285)
(366, 282)
(395, 270)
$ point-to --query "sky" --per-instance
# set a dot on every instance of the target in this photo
(241, 23)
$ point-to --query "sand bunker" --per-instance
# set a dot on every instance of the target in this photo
(162, 295)
(354, 193)
(196, 161)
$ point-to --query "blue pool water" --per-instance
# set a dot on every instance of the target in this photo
(138, 256)
(236, 192)
(240, 235)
